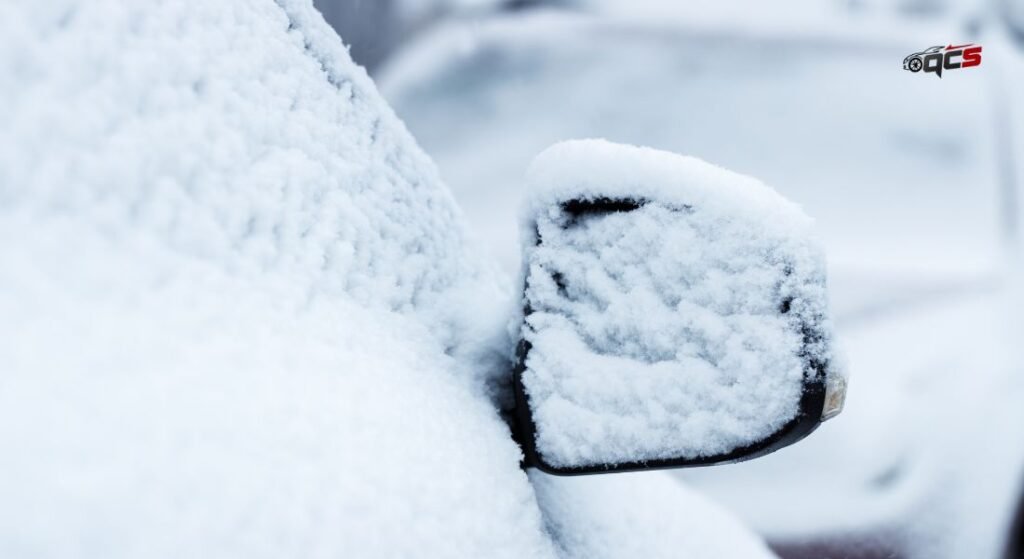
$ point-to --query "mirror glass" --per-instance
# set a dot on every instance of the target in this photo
(680, 322)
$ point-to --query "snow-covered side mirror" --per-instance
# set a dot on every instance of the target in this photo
(675, 315)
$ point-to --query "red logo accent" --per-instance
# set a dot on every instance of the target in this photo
(972, 57)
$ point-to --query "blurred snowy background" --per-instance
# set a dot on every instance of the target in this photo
(914, 181)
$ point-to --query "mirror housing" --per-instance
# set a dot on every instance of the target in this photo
(674, 315)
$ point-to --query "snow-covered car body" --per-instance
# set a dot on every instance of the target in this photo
(241, 316)
(907, 196)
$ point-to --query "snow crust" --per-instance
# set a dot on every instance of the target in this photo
(660, 332)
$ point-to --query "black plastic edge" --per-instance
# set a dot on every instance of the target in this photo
(1015, 540)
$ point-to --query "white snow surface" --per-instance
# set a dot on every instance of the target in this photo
(239, 314)
(656, 333)
(227, 324)
(600, 517)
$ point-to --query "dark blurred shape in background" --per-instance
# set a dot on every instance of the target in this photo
(370, 27)
(373, 29)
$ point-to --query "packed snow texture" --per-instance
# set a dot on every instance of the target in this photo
(659, 332)
(235, 301)
(239, 316)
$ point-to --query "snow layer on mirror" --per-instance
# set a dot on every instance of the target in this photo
(680, 328)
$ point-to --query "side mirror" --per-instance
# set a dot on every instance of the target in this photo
(675, 314)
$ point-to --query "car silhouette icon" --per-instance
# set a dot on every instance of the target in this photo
(914, 62)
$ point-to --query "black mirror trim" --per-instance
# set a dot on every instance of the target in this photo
(1015, 540)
